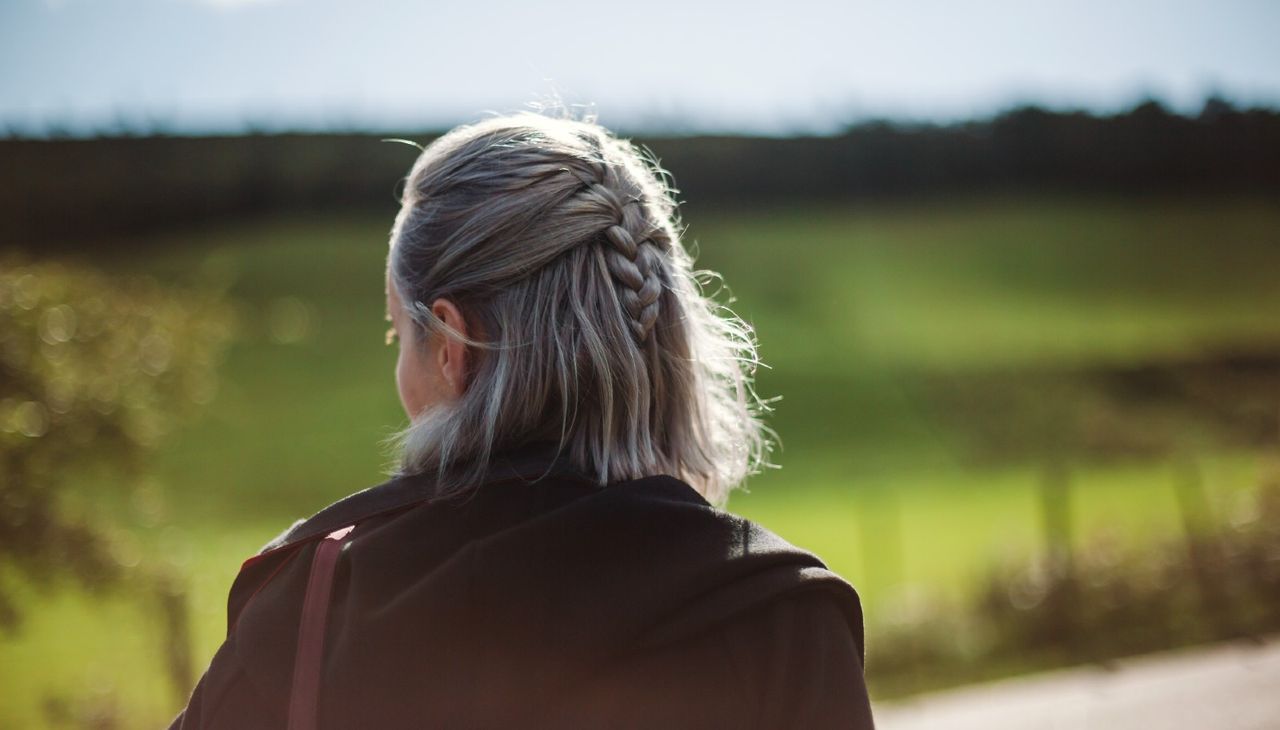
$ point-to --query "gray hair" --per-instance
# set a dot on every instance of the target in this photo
(559, 243)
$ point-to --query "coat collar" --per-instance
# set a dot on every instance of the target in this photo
(528, 463)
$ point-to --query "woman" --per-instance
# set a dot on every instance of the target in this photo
(547, 553)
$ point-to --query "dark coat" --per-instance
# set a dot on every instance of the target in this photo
(548, 602)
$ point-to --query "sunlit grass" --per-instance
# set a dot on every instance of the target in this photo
(936, 531)
(104, 651)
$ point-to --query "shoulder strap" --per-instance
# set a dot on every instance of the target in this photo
(305, 694)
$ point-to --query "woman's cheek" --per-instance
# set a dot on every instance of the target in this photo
(417, 390)
(403, 385)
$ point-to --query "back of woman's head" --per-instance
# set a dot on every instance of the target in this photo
(587, 325)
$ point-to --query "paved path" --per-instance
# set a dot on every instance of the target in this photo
(1224, 687)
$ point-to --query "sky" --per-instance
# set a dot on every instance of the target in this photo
(799, 66)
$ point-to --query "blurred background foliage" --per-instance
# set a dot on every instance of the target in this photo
(94, 372)
(1029, 370)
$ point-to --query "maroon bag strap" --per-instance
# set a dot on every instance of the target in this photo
(305, 694)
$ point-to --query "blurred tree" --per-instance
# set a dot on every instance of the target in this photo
(94, 370)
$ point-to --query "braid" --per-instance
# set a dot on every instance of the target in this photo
(631, 251)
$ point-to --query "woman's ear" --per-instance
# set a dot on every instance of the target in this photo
(452, 356)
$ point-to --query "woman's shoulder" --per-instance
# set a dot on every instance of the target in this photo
(787, 662)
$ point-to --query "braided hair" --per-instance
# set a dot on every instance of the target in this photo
(632, 248)
(559, 243)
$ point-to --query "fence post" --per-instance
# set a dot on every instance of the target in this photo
(1204, 552)
(175, 636)
(1063, 598)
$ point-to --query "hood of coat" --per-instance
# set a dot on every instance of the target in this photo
(536, 580)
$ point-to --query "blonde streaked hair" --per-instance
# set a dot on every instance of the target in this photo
(560, 244)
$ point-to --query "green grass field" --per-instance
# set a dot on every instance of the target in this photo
(849, 303)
